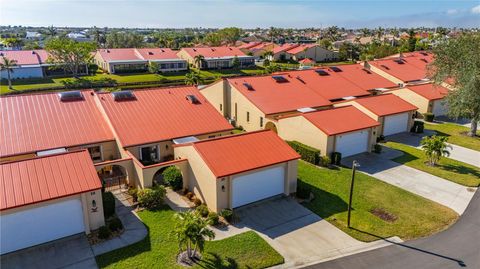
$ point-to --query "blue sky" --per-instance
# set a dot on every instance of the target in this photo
(245, 14)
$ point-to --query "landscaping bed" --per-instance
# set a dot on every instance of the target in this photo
(456, 134)
(453, 170)
(379, 210)
(159, 249)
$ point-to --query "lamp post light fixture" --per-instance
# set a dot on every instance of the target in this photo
(355, 164)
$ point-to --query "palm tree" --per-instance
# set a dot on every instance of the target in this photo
(51, 31)
(8, 66)
(191, 232)
(435, 147)
(199, 60)
(192, 78)
(268, 54)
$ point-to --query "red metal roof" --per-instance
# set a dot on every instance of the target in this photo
(162, 114)
(340, 120)
(366, 80)
(35, 122)
(215, 52)
(385, 104)
(157, 53)
(300, 48)
(284, 47)
(272, 97)
(46, 178)
(414, 66)
(430, 91)
(25, 57)
(249, 45)
(234, 154)
(306, 61)
(124, 54)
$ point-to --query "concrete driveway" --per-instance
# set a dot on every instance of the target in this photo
(424, 184)
(456, 152)
(70, 252)
(297, 233)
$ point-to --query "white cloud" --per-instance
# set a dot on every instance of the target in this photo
(452, 11)
(476, 10)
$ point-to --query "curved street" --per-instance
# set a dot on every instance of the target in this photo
(456, 247)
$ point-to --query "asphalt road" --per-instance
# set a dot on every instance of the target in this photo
(456, 247)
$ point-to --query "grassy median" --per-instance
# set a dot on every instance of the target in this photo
(456, 134)
(379, 209)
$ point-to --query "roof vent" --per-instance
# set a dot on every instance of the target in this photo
(194, 49)
(162, 50)
(335, 69)
(322, 72)
(108, 51)
(385, 67)
(71, 96)
(248, 86)
(212, 49)
(366, 70)
(399, 61)
(192, 99)
(366, 65)
(280, 79)
(424, 60)
(230, 48)
(123, 96)
(424, 53)
(401, 85)
(150, 53)
(33, 52)
(300, 79)
(1, 53)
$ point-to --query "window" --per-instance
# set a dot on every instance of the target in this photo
(149, 154)
(221, 107)
(95, 153)
(261, 121)
(248, 116)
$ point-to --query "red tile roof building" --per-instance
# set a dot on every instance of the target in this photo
(216, 57)
(409, 67)
(45, 178)
(385, 104)
(430, 91)
(37, 122)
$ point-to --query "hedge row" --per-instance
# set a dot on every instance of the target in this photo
(307, 153)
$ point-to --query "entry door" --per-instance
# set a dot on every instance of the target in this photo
(352, 143)
(258, 185)
(395, 124)
(39, 225)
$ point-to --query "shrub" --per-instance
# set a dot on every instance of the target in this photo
(325, 161)
(134, 193)
(189, 195)
(377, 148)
(336, 158)
(227, 214)
(303, 192)
(108, 204)
(104, 232)
(213, 218)
(173, 178)
(151, 198)
(417, 127)
(197, 201)
(428, 117)
(202, 210)
(115, 224)
(307, 153)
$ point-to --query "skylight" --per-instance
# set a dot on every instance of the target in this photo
(399, 61)
(248, 86)
(335, 69)
(366, 71)
(280, 79)
(70, 96)
(384, 66)
(123, 96)
(192, 99)
(322, 72)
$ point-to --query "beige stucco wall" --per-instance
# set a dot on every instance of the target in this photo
(215, 94)
(109, 149)
(93, 219)
(300, 129)
(423, 104)
(316, 53)
(184, 55)
(243, 106)
(385, 75)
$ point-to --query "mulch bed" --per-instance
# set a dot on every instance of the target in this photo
(384, 215)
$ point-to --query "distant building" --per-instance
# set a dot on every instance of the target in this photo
(80, 37)
(297, 52)
(257, 49)
(216, 57)
(33, 36)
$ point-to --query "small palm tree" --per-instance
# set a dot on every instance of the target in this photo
(199, 60)
(191, 232)
(192, 78)
(268, 54)
(435, 147)
(8, 66)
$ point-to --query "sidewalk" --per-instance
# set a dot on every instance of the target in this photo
(135, 230)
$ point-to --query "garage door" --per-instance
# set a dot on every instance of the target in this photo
(352, 143)
(439, 108)
(395, 124)
(39, 225)
(257, 186)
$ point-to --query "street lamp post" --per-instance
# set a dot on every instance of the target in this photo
(355, 164)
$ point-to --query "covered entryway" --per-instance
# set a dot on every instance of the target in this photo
(352, 143)
(395, 124)
(257, 185)
(439, 108)
(38, 225)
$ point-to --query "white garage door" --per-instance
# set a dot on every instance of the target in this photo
(257, 186)
(395, 124)
(439, 108)
(352, 143)
(39, 225)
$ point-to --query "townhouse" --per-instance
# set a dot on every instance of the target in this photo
(131, 60)
(257, 49)
(33, 64)
(297, 52)
(216, 57)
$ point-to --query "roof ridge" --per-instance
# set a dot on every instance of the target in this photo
(228, 136)
(45, 156)
(44, 93)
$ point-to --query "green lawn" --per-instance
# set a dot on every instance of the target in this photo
(455, 171)
(416, 216)
(456, 134)
(159, 249)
